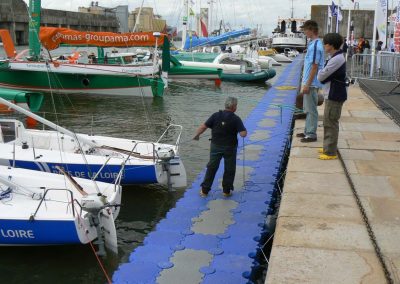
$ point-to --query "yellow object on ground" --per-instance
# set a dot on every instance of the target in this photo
(327, 157)
(283, 88)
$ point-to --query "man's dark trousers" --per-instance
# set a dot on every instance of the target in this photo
(217, 152)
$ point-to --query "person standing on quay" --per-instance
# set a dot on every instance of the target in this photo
(333, 75)
(225, 125)
(313, 61)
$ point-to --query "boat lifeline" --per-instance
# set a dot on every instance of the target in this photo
(39, 208)
(93, 157)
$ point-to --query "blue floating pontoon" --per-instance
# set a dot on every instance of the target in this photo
(217, 239)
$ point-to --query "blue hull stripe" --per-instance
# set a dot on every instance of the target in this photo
(24, 232)
(132, 174)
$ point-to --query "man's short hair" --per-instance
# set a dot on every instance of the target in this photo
(230, 102)
(310, 25)
(333, 39)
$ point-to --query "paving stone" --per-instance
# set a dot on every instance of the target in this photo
(388, 236)
(373, 186)
(273, 112)
(322, 233)
(186, 267)
(267, 122)
(216, 220)
(370, 127)
(395, 183)
(319, 206)
(388, 156)
(352, 154)
(317, 183)
(374, 145)
(378, 168)
(354, 135)
(385, 211)
(358, 119)
(313, 165)
(259, 135)
(315, 266)
(391, 136)
(368, 114)
(351, 167)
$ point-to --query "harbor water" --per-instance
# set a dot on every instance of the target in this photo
(187, 103)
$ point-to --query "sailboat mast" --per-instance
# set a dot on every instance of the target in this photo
(34, 28)
(185, 21)
(210, 26)
(292, 11)
(138, 17)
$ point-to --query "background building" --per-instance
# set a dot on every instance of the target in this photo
(363, 21)
(120, 12)
(14, 18)
(147, 21)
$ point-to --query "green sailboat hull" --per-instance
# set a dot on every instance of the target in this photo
(178, 71)
(196, 56)
(78, 83)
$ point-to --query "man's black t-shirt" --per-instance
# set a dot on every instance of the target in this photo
(225, 125)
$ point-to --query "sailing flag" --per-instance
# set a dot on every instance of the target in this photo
(334, 9)
(203, 28)
(339, 14)
(381, 20)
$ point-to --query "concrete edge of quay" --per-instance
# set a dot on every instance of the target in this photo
(321, 234)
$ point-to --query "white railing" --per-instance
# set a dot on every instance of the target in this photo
(383, 66)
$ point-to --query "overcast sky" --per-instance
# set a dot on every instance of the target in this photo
(248, 13)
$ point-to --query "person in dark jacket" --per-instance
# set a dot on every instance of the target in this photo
(333, 76)
(225, 125)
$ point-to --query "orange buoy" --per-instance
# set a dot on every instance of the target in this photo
(218, 82)
(30, 122)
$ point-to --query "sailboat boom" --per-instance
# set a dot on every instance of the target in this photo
(49, 123)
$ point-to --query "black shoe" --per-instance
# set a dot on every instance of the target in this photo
(300, 135)
(202, 193)
(228, 194)
(300, 116)
(308, 139)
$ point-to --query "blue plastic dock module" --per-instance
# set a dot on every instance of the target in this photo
(217, 239)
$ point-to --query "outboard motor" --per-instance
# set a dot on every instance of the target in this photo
(93, 204)
(165, 155)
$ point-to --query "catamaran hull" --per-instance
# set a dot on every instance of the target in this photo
(80, 83)
(194, 76)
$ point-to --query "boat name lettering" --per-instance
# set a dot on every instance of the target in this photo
(100, 38)
(102, 175)
(36, 65)
(131, 70)
(26, 234)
